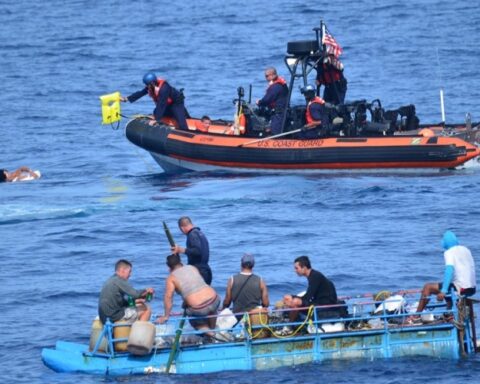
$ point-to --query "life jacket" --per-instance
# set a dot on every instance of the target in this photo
(240, 129)
(154, 93)
(308, 114)
(329, 75)
(282, 82)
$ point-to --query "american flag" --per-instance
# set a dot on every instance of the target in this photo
(331, 45)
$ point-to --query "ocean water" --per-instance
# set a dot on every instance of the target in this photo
(101, 199)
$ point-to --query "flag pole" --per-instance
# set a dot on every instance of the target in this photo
(322, 34)
(321, 47)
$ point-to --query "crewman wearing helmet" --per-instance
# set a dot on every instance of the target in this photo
(316, 115)
(168, 100)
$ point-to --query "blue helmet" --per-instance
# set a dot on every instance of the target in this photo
(149, 77)
(307, 89)
(449, 240)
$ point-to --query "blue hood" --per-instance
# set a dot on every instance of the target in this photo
(449, 240)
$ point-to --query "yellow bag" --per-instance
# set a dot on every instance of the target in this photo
(110, 108)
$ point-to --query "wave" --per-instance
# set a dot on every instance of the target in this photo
(19, 214)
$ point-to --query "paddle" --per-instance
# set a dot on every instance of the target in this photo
(274, 136)
(173, 351)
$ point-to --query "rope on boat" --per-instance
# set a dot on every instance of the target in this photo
(267, 326)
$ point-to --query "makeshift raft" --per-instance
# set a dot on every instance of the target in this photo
(370, 331)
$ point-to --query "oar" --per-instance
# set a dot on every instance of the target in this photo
(173, 351)
(272, 137)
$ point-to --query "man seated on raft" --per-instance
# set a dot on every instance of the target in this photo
(459, 275)
(320, 291)
(246, 290)
(113, 303)
(200, 300)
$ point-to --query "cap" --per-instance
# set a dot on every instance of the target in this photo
(248, 258)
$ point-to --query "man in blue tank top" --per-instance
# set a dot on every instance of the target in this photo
(197, 248)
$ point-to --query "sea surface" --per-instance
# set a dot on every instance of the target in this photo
(101, 198)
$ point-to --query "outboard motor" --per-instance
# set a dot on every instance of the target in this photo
(409, 120)
(392, 116)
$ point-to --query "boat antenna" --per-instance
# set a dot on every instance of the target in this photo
(442, 105)
(442, 101)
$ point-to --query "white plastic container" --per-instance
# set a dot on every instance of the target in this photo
(226, 319)
(428, 318)
(331, 327)
(141, 339)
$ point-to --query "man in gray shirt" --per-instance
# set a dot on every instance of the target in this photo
(246, 290)
(119, 300)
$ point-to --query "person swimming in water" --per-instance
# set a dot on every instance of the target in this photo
(20, 174)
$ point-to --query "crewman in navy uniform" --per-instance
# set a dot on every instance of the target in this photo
(168, 100)
(330, 75)
(316, 115)
(275, 98)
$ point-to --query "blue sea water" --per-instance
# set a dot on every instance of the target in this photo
(101, 199)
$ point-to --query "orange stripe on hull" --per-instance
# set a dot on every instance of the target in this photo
(365, 165)
(394, 141)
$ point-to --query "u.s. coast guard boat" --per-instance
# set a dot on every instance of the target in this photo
(359, 135)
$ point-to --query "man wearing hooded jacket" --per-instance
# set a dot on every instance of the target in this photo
(459, 273)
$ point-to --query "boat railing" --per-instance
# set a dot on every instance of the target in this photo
(362, 316)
